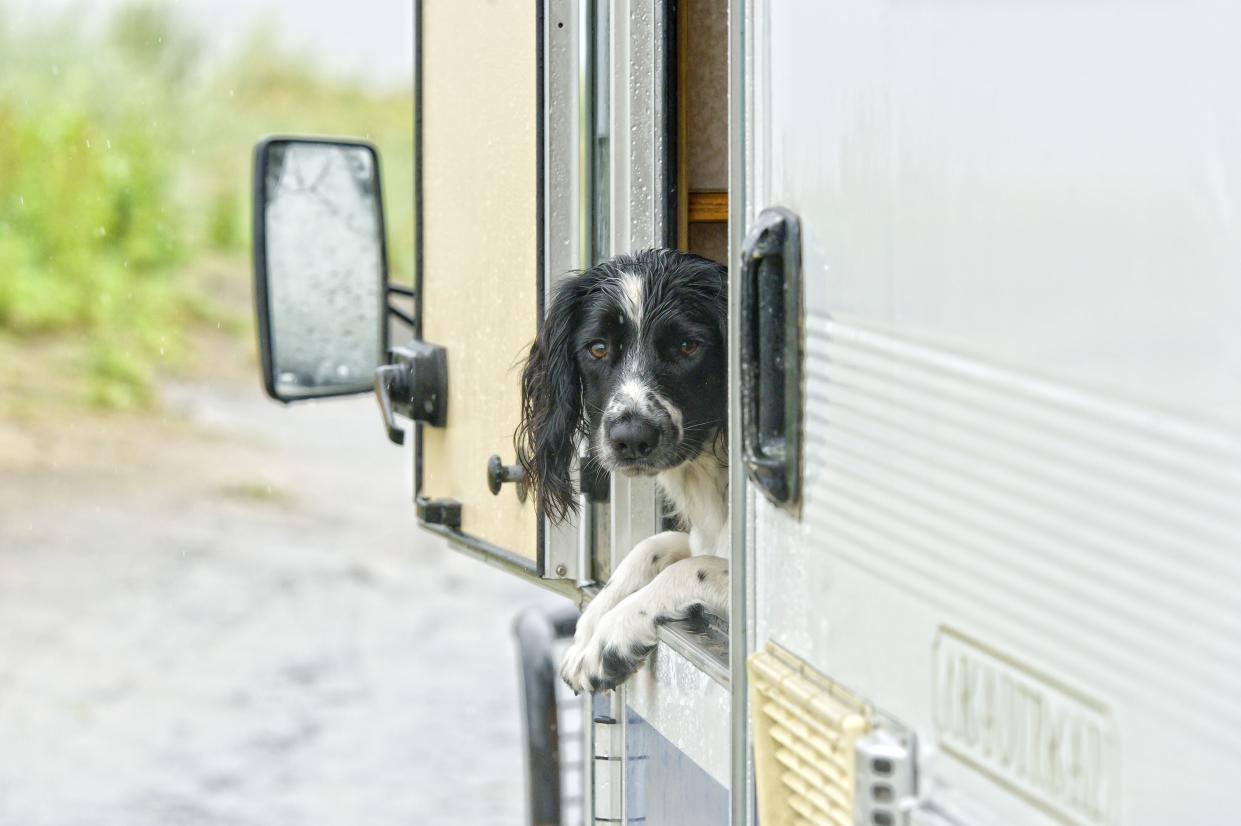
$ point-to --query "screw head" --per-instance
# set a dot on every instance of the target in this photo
(561, 569)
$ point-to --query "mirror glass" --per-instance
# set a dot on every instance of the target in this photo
(320, 267)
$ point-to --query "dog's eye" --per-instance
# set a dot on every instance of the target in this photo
(689, 346)
(598, 349)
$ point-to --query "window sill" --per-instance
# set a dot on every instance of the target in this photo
(705, 648)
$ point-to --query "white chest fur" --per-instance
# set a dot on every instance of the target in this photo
(699, 492)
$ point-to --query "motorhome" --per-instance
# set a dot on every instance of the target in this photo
(985, 386)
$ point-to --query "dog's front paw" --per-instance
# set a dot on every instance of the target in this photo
(620, 646)
(571, 665)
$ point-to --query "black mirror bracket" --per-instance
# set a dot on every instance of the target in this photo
(414, 384)
(408, 292)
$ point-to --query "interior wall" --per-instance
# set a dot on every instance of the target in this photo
(704, 84)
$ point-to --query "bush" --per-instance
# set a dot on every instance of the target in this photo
(122, 164)
(89, 228)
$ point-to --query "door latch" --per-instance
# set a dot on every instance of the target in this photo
(414, 384)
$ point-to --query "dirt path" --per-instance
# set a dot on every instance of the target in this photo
(226, 615)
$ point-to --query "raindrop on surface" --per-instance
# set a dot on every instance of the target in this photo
(21, 199)
(108, 143)
(101, 231)
(88, 143)
(231, 93)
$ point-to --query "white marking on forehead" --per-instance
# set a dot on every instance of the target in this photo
(634, 292)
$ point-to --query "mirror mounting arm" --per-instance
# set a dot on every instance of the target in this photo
(408, 292)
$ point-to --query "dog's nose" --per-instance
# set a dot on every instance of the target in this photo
(633, 438)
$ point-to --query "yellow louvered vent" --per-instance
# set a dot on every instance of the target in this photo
(805, 728)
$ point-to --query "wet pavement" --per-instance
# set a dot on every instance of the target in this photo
(229, 617)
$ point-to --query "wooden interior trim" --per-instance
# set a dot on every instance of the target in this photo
(708, 207)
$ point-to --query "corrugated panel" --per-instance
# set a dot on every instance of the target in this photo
(805, 727)
(1112, 529)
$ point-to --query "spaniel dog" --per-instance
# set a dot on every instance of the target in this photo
(631, 365)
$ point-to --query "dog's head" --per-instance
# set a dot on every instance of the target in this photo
(631, 357)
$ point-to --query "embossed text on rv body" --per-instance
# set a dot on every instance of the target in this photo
(1044, 741)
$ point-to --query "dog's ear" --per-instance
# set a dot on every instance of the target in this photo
(551, 404)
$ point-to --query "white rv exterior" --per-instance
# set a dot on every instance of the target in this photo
(1020, 530)
(1006, 576)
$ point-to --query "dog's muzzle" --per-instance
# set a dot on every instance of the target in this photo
(639, 443)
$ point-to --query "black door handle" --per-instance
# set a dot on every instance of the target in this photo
(414, 383)
(771, 325)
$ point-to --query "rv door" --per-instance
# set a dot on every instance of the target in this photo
(477, 279)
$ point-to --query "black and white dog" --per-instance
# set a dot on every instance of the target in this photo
(631, 361)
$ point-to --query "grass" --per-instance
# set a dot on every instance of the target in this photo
(124, 166)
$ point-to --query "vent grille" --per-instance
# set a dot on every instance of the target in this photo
(805, 729)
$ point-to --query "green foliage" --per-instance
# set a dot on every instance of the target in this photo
(119, 379)
(89, 227)
(224, 231)
(123, 164)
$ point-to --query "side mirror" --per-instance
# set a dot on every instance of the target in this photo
(320, 267)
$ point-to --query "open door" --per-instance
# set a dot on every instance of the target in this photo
(478, 274)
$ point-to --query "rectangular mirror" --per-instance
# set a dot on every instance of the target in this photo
(320, 266)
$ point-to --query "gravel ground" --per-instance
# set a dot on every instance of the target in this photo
(226, 615)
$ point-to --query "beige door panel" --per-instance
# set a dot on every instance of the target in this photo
(479, 248)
